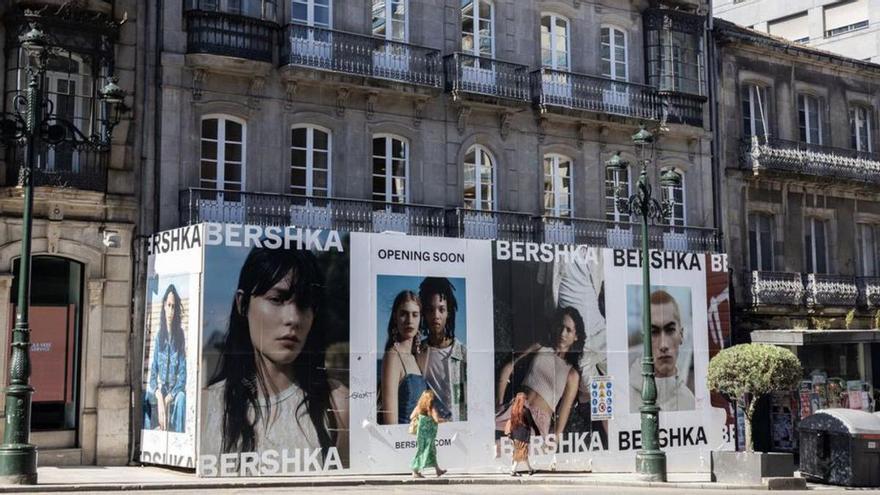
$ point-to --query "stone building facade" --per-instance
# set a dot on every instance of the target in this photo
(85, 212)
(800, 198)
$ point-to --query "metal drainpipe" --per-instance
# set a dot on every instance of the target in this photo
(717, 171)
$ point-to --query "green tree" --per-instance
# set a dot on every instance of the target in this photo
(747, 372)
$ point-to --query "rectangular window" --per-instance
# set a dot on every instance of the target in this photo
(760, 242)
(844, 17)
(869, 257)
(860, 128)
(816, 245)
(795, 28)
(810, 119)
(557, 186)
(754, 110)
(613, 179)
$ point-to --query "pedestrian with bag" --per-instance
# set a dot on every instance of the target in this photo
(424, 420)
(519, 428)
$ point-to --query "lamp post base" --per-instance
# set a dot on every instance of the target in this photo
(18, 464)
(651, 465)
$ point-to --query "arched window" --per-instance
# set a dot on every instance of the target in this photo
(675, 195)
(614, 179)
(557, 185)
(755, 110)
(310, 170)
(614, 53)
(479, 179)
(555, 42)
(317, 13)
(390, 20)
(861, 128)
(810, 118)
(478, 28)
(222, 160)
(390, 168)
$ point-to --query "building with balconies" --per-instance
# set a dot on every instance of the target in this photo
(801, 196)
(480, 119)
(85, 212)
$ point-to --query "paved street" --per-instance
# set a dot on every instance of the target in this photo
(485, 490)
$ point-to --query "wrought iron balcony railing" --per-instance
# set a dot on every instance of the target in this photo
(502, 225)
(221, 33)
(63, 165)
(869, 292)
(360, 55)
(759, 153)
(208, 205)
(830, 290)
(620, 235)
(775, 288)
(594, 94)
(469, 74)
(683, 108)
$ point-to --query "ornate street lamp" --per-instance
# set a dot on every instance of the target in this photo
(33, 124)
(650, 460)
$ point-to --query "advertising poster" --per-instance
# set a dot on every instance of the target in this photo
(275, 383)
(171, 341)
(308, 351)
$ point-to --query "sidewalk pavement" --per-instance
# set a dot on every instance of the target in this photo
(93, 478)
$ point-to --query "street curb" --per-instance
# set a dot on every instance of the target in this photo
(306, 483)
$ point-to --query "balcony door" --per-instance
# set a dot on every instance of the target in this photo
(310, 176)
(390, 183)
(391, 24)
(614, 66)
(221, 169)
(555, 55)
(478, 41)
(311, 40)
(816, 245)
(69, 92)
(675, 238)
(619, 234)
(479, 221)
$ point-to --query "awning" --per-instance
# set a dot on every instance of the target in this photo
(814, 337)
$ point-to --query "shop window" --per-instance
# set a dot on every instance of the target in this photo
(390, 169)
(761, 242)
(479, 179)
(557, 185)
(55, 314)
(754, 110)
(310, 170)
(816, 245)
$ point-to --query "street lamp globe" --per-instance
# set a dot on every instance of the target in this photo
(670, 178)
(34, 41)
(616, 163)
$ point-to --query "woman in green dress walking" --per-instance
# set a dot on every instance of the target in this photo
(426, 419)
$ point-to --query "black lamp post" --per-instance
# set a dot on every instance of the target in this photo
(650, 460)
(34, 124)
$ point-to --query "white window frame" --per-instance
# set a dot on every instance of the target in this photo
(310, 13)
(856, 122)
(612, 50)
(310, 157)
(812, 262)
(476, 35)
(480, 152)
(611, 185)
(80, 93)
(387, 196)
(221, 142)
(668, 194)
(553, 35)
(387, 15)
(555, 181)
(754, 219)
(757, 108)
(811, 120)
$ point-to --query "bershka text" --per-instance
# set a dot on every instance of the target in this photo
(185, 461)
(659, 260)
(269, 462)
(544, 253)
(175, 240)
(684, 436)
(271, 237)
(567, 443)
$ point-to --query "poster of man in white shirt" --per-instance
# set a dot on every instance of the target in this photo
(671, 343)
